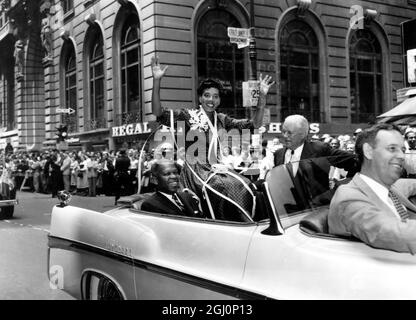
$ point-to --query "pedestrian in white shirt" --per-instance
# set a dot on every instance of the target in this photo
(410, 155)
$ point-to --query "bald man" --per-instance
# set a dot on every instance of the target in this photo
(314, 172)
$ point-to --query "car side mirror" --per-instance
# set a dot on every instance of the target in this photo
(275, 227)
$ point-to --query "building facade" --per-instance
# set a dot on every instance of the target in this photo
(86, 64)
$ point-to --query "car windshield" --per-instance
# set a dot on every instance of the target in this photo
(298, 188)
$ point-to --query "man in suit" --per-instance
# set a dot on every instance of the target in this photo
(167, 199)
(121, 175)
(310, 161)
(374, 206)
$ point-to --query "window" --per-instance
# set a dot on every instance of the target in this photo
(365, 76)
(96, 68)
(130, 71)
(7, 89)
(299, 71)
(3, 101)
(221, 60)
(67, 5)
(70, 91)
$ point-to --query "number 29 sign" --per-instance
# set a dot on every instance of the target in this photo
(251, 93)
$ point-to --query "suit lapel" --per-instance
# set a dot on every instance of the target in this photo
(189, 210)
(280, 156)
(306, 151)
(375, 199)
(410, 206)
(167, 205)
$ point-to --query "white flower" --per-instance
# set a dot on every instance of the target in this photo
(198, 120)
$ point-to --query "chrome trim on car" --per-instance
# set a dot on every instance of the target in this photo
(194, 219)
(327, 236)
(59, 243)
(6, 203)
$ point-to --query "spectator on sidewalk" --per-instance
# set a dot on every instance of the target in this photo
(92, 166)
(108, 175)
(82, 177)
(36, 168)
(122, 178)
(66, 171)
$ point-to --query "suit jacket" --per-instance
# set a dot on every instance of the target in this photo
(66, 166)
(159, 203)
(122, 164)
(356, 210)
(315, 171)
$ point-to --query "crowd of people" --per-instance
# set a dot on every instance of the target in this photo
(82, 173)
(93, 173)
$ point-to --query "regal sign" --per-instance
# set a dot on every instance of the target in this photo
(131, 129)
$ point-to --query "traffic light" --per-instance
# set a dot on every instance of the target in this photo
(62, 133)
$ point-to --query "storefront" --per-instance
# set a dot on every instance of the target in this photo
(9, 136)
(97, 140)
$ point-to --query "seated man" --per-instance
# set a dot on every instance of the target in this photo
(167, 199)
(374, 206)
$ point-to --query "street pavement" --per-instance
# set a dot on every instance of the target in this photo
(24, 246)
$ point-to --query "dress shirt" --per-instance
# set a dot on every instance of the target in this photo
(170, 197)
(294, 158)
(381, 191)
(134, 164)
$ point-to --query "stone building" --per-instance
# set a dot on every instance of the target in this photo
(86, 64)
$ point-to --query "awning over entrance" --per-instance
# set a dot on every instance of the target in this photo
(403, 114)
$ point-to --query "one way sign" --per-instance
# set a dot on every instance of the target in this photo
(65, 110)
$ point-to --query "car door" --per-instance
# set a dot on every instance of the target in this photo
(190, 258)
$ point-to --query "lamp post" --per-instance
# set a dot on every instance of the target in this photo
(252, 46)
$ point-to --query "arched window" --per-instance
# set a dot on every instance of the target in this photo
(221, 60)
(131, 71)
(67, 5)
(96, 74)
(3, 100)
(365, 76)
(299, 71)
(70, 91)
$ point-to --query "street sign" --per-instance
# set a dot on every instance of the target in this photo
(240, 36)
(65, 110)
(251, 92)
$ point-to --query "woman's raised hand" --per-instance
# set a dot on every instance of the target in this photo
(265, 84)
(157, 71)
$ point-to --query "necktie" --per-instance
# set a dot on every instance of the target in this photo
(290, 165)
(401, 210)
(178, 202)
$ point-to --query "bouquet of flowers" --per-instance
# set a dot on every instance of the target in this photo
(198, 120)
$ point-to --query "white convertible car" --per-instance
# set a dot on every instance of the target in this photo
(127, 253)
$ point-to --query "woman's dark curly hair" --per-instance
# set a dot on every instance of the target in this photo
(209, 83)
